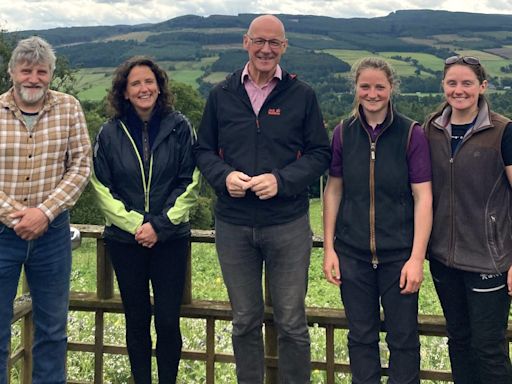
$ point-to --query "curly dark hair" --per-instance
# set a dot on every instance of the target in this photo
(117, 104)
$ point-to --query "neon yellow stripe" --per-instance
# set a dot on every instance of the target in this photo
(179, 213)
(114, 210)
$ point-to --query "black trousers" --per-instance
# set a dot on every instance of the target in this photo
(363, 291)
(164, 266)
(476, 307)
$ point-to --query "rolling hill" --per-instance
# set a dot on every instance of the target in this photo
(200, 51)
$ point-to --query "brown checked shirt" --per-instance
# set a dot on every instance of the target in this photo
(46, 167)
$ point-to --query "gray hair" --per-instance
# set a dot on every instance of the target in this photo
(33, 50)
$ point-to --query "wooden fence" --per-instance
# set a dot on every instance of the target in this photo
(104, 301)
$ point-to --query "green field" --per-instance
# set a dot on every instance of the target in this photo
(215, 77)
(491, 62)
(137, 36)
(347, 55)
(187, 76)
(94, 83)
(403, 68)
(427, 60)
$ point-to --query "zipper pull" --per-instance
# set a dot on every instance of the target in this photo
(375, 262)
(372, 151)
(258, 125)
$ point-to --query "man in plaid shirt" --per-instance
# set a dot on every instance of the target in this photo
(44, 166)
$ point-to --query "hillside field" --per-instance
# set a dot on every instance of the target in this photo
(94, 82)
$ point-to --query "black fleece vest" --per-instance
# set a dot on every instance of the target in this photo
(375, 221)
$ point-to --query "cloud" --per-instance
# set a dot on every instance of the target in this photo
(45, 14)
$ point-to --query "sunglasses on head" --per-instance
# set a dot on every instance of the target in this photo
(462, 59)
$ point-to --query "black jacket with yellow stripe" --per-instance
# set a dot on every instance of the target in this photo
(130, 194)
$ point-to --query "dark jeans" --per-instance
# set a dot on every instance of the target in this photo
(164, 266)
(363, 289)
(285, 249)
(476, 307)
(47, 264)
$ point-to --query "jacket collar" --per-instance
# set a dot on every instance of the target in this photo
(483, 119)
(163, 125)
(233, 81)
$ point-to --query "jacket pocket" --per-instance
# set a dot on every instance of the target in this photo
(494, 242)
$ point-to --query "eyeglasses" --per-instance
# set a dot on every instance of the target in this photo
(260, 42)
(462, 59)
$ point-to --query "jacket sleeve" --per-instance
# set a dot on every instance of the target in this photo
(78, 166)
(111, 206)
(184, 195)
(206, 150)
(316, 155)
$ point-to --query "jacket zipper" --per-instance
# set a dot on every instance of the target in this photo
(145, 187)
(373, 241)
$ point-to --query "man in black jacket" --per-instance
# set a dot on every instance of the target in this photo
(261, 143)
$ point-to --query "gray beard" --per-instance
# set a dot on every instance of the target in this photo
(30, 97)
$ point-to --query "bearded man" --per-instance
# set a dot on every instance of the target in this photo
(44, 166)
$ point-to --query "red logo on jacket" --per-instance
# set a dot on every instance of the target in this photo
(274, 111)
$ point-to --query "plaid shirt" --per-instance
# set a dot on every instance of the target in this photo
(47, 167)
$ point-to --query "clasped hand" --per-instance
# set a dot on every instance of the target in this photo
(146, 235)
(32, 223)
(264, 185)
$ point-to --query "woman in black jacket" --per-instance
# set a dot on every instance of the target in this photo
(145, 184)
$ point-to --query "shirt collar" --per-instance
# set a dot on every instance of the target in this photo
(278, 74)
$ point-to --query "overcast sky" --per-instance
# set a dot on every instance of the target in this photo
(44, 14)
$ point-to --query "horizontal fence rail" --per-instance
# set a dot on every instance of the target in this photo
(104, 300)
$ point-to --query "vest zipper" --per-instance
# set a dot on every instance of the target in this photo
(451, 254)
(373, 245)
